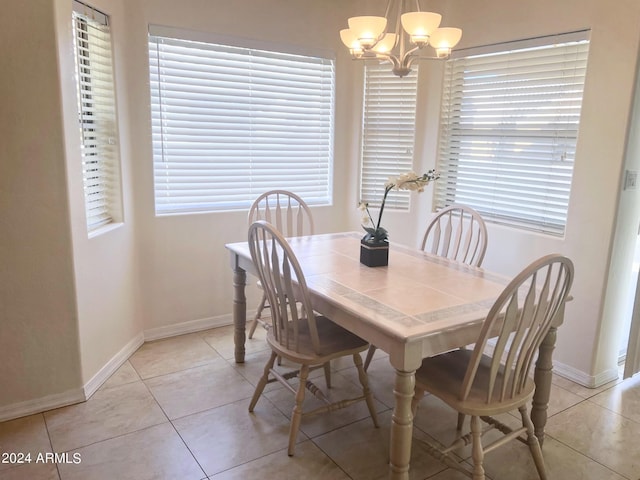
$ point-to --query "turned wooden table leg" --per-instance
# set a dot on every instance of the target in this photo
(542, 378)
(401, 426)
(239, 312)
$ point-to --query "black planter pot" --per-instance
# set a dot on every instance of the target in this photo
(374, 254)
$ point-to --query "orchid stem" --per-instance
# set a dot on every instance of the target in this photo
(384, 199)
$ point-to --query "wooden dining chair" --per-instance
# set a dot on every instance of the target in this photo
(457, 232)
(291, 216)
(482, 384)
(297, 334)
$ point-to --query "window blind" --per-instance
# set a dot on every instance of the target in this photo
(97, 114)
(230, 123)
(388, 133)
(509, 128)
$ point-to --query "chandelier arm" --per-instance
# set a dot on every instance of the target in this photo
(389, 56)
(408, 61)
(399, 31)
(408, 57)
(386, 14)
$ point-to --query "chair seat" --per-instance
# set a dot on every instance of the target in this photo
(443, 376)
(335, 342)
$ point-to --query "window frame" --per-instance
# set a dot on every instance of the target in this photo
(529, 186)
(98, 117)
(301, 159)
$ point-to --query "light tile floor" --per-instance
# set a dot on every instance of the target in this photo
(178, 410)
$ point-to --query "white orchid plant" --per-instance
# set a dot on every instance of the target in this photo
(407, 181)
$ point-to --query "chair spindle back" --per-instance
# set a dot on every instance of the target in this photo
(521, 317)
(457, 232)
(285, 210)
(284, 285)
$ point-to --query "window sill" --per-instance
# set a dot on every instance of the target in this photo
(105, 229)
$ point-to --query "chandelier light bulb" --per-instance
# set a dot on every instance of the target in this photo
(350, 40)
(420, 25)
(367, 29)
(444, 39)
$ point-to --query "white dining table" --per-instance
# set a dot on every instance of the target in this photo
(418, 306)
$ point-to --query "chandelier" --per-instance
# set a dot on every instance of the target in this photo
(369, 36)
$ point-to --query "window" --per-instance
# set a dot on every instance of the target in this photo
(97, 113)
(230, 123)
(509, 126)
(388, 133)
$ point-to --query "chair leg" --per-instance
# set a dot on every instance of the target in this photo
(366, 391)
(263, 381)
(534, 444)
(367, 360)
(460, 421)
(296, 416)
(256, 319)
(477, 453)
(327, 374)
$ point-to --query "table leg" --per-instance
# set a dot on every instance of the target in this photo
(401, 426)
(239, 312)
(542, 378)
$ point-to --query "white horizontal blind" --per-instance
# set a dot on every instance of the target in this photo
(509, 128)
(98, 124)
(388, 133)
(230, 123)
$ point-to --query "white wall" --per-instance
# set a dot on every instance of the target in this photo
(621, 291)
(39, 356)
(70, 304)
(105, 265)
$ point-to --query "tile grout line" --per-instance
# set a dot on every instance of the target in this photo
(195, 459)
(583, 454)
(46, 427)
(613, 411)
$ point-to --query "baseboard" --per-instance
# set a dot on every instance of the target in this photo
(571, 373)
(49, 402)
(112, 365)
(582, 378)
(38, 405)
(189, 327)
